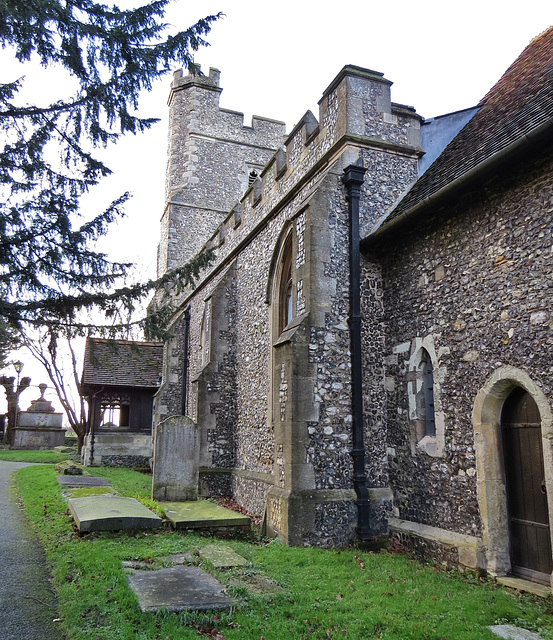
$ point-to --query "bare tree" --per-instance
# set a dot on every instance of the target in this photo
(62, 366)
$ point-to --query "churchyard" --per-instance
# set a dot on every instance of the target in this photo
(105, 581)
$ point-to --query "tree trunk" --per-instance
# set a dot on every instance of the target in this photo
(12, 396)
(81, 432)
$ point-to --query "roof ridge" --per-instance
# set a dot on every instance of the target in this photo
(520, 102)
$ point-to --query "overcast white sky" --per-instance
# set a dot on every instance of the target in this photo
(276, 59)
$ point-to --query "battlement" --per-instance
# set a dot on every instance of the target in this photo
(210, 82)
(205, 91)
(356, 110)
(224, 180)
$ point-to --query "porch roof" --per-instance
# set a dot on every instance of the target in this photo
(122, 363)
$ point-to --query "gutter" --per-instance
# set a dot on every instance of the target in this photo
(353, 179)
(529, 142)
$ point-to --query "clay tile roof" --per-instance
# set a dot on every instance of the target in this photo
(122, 363)
(519, 103)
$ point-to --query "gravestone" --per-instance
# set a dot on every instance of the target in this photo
(78, 482)
(176, 460)
(177, 589)
(222, 557)
(202, 514)
(40, 427)
(111, 513)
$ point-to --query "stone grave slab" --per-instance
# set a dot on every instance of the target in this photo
(111, 513)
(510, 632)
(222, 557)
(62, 448)
(257, 584)
(201, 514)
(182, 558)
(179, 588)
(76, 482)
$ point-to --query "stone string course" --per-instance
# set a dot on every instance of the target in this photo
(302, 151)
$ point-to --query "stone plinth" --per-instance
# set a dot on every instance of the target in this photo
(176, 460)
(117, 449)
(40, 427)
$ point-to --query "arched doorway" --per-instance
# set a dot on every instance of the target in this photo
(491, 467)
(529, 534)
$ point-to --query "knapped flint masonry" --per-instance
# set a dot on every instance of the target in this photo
(455, 302)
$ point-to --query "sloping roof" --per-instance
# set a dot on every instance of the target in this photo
(122, 363)
(519, 104)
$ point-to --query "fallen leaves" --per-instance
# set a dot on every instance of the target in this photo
(210, 632)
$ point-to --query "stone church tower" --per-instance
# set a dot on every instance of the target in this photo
(212, 158)
(373, 340)
(260, 361)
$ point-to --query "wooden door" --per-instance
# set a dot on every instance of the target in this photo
(525, 482)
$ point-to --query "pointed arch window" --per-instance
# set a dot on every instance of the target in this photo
(205, 334)
(428, 393)
(424, 385)
(285, 289)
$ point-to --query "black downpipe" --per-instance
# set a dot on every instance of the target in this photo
(185, 365)
(353, 179)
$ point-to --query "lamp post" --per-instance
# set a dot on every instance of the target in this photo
(18, 366)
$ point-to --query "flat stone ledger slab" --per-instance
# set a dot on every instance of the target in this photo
(76, 482)
(65, 449)
(510, 632)
(222, 557)
(178, 588)
(111, 513)
(257, 584)
(201, 514)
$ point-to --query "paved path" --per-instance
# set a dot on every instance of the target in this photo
(26, 610)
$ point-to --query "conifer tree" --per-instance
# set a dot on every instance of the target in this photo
(49, 269)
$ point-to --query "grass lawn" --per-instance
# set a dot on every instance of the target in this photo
(44, 456)
(344, 593)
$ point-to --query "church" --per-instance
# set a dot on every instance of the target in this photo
(371, 350)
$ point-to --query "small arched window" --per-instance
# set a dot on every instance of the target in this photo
(428, 393)
(205, 332)
(285, 289)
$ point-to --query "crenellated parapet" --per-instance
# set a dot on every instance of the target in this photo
(195, 116)
(356, 116)
(211, 158)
